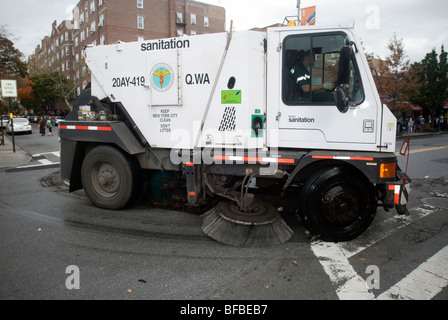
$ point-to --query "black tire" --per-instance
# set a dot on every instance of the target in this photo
(336, 204)
(109, 177)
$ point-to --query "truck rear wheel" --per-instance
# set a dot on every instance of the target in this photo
(336, 204)
(109, 177)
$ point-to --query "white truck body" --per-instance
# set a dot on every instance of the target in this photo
(195, 90)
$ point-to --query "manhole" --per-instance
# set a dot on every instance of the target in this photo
(439, 202)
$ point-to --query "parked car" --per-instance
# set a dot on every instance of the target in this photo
(57, 119)
(20, 125)
(5, 120)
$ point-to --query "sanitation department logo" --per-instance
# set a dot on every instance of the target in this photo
(162, 77)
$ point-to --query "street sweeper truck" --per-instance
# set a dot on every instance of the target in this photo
(249, 125)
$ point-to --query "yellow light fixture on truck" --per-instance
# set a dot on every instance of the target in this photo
(388, 170)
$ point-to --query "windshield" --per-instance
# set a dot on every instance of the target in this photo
(310, 69)
(20, 120)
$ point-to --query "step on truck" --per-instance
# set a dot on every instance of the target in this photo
(252, 124)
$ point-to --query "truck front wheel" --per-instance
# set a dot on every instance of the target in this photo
(109, 177)
(336, 204)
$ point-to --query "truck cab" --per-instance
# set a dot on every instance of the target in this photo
(301, 105)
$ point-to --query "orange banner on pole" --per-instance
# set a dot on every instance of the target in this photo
(308, 16)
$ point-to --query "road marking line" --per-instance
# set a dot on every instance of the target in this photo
(424, 150)
(423, 283)
(334, 258)
(45, 161)
(339, 269)
(55, 153)
(38, 165)
(382, 230)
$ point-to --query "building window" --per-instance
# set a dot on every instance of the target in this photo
(83, 36)
(101, 22)
(140, 23)
(206, 22)
(93, 26)
(180, 32)
(140, 4)
(179, 17)
(140, 39)
(92, 6)
(103, 40)
(100, 3)
(193, 19)
(193, 33)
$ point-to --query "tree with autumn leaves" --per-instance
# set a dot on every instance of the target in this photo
(423, 84)
(394, 76)
(38, 91)
(12, 66)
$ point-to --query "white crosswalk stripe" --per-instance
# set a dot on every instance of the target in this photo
(43, 160)
(338, 268)
(424, 283)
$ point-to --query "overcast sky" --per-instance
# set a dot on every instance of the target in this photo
(422, 25)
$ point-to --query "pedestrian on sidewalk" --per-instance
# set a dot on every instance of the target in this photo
(410, 125)
(42, 126)
(50, 126)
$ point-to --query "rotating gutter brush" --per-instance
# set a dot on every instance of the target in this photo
(247, 223)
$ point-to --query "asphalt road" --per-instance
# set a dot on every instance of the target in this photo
(52, 241)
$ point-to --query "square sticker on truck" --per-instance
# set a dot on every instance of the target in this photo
(231, 97)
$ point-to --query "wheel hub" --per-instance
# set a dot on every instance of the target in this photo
(107, 178)
(340, 207)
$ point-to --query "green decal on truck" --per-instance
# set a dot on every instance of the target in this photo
(231, 96)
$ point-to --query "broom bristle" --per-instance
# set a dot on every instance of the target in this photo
(217, 226)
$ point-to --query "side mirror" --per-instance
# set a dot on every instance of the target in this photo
(344, 66)
(340, 97)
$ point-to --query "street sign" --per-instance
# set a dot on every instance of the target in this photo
(9, 88)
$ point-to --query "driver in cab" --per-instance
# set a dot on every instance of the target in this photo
(300, 78)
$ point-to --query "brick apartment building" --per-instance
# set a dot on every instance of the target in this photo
(102, 22)
(55, 51)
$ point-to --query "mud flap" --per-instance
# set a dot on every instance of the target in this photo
(397, 195)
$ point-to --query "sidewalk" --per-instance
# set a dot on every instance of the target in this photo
(10, 159)
(420, 134)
